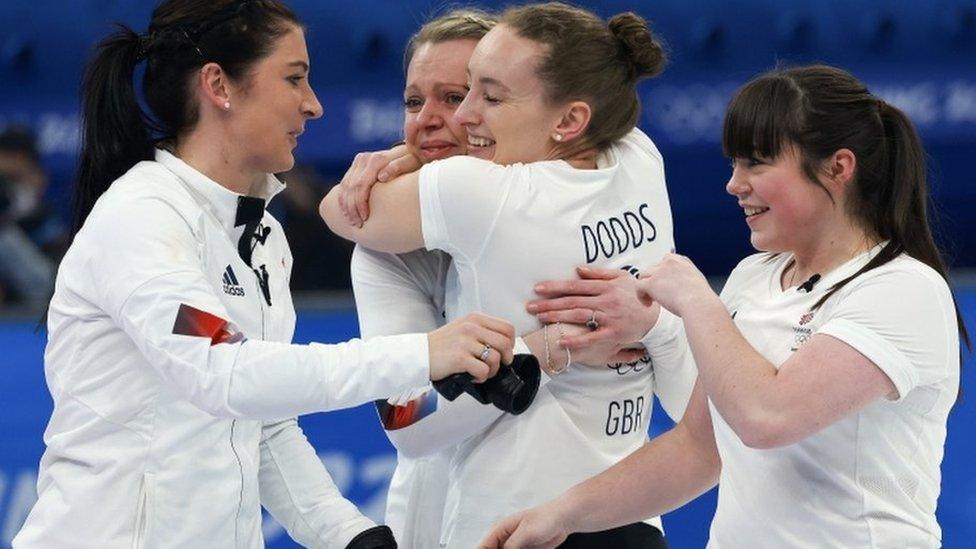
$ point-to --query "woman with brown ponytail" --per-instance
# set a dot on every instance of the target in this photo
(174, 383)
(828, 365)
(557, 175)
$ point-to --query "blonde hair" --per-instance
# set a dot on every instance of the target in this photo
(459, 24)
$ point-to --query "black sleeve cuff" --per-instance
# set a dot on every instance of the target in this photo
(377, 537)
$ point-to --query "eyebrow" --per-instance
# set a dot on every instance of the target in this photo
(437, 87)
(493, 82)
(300, 64)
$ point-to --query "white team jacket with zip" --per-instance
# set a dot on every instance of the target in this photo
(174, 385)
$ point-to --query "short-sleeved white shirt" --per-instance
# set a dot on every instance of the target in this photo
(518, 225)
(872, 478)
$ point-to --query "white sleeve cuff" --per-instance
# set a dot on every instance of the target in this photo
(667, 326)
(878, 350)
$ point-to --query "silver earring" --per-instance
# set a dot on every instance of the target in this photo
(557, 136)
(226, 105)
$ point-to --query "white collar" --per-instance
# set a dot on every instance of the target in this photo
(222, 201)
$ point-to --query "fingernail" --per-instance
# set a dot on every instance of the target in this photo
(532, 307)
(383, 176)
(539, 288)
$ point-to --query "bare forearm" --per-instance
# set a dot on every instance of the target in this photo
(664, 474)
(394, 225)
(332, 215)
(738, 380)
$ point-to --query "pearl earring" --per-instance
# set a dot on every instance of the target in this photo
(557, 136)
(226, 105)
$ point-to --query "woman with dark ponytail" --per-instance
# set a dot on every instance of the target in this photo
(174, 383)
(556, 175)
(828, 366)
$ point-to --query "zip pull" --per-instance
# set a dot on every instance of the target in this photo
(262, 275)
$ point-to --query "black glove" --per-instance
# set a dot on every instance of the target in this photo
(512, 389)
(377, 537)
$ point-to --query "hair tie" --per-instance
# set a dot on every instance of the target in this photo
(145, 44)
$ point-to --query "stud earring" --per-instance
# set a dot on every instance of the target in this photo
(226, 105)
(557, 136)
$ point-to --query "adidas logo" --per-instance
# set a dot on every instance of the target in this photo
(231, 285)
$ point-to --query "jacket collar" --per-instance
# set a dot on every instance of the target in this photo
(220, 200)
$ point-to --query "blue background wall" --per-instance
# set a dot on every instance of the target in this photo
(920, 55)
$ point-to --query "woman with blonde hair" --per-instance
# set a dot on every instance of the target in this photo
(404, 293)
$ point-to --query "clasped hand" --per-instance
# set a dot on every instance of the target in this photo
(368, 169)
(623, 308)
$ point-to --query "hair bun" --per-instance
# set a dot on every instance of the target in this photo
(642, 49)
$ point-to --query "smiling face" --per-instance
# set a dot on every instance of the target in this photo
(785, 211)
(271, 107)
(436, 85)
(506, 114)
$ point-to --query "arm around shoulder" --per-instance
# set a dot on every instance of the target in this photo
(394, 224)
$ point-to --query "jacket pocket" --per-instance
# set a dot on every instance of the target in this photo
(144, 511)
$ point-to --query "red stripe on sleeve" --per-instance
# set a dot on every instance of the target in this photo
(191, 321)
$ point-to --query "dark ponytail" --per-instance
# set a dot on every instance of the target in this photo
(821, 109)
(183, 36)
(114, 131)
(899, 210)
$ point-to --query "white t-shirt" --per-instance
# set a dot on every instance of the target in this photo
(872, 478)
(397, 294)
(518, 225)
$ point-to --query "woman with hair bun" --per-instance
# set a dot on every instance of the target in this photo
(168, 359)
(557, 176)
(830, 362)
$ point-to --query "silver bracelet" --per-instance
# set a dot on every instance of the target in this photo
(569, 355)
(545, 336)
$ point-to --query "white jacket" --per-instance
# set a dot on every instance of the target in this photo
(174, 386)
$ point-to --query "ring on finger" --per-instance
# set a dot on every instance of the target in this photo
(592, 323)
(485, 353)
